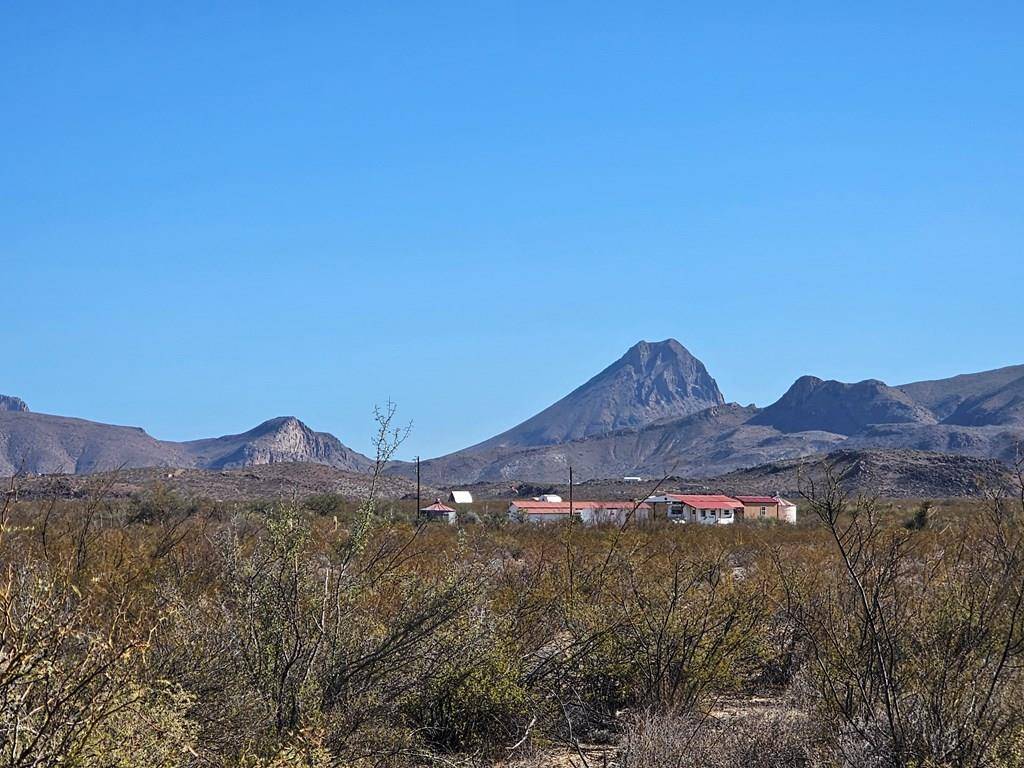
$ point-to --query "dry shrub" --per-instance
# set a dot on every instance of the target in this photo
(270, 635)
(758, 741)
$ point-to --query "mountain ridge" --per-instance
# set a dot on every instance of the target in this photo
(656, 409)
(652, 380)
(41, 443)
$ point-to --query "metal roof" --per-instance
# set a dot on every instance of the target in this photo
(705, 501)
(437, 506)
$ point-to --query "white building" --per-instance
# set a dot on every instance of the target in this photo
(460, 497)
(588, 512)
(787, 510)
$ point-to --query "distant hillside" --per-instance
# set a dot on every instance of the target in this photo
(833, 406)
(270, 481)
(943, 396)
(8, 403)
(41, 444)
(652, 381)
(888, 474)
(653, 411)
(813, 417)
(617, 453)
(284, 439)
(1004, 406)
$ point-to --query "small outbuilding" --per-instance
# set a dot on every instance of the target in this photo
(460, 497)
(759, 507)
(787, 510)
(439, 512)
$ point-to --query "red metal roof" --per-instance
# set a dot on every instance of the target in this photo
(703, 501)
(437, 506)
(758, 499)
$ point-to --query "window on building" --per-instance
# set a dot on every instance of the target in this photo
(764, 511)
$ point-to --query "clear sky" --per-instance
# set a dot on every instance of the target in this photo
(215, 213)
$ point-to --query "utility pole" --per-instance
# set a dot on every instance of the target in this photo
(570, 494)
(419, 506)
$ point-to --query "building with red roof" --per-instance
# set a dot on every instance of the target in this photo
(440, 512)
(759, 507)
(709, 509)
(717, 509)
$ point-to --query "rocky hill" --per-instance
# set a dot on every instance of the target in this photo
(39, 443)
(288, 481)
(8, 403)
(652, 381)
(977, 415)
(1002, 407)
(655, 410)
(840, 408)
(943, 396)
(887, 474)
(284, 439)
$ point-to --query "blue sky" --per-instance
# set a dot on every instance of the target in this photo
(215, 213)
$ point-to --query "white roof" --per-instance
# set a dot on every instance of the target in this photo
(461, 497)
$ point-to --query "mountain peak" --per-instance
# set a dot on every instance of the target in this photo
(11, 403)
(277, 440)
(651, 382)
(835, 406)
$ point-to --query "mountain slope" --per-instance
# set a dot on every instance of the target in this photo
(889, 474)
(652, 382)
(1001, 407)
(39, 443)
(8, 403)
(280, 440)
(837, 407)
(943, 396)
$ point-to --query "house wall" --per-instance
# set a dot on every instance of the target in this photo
(710, 516)
(787, 513)
(609, 515)
(753, 512)
(546, 517)
(588, 515)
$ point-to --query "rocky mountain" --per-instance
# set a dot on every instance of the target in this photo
(602, 425)
(715, 440)
(654, 411)
(653, 381)
(887, 474)
(943, 396)
(9, 403)
(281, 440)
(267, 481)
(1001, 407)
(39, 443)
(977, 415)
(845, 409)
